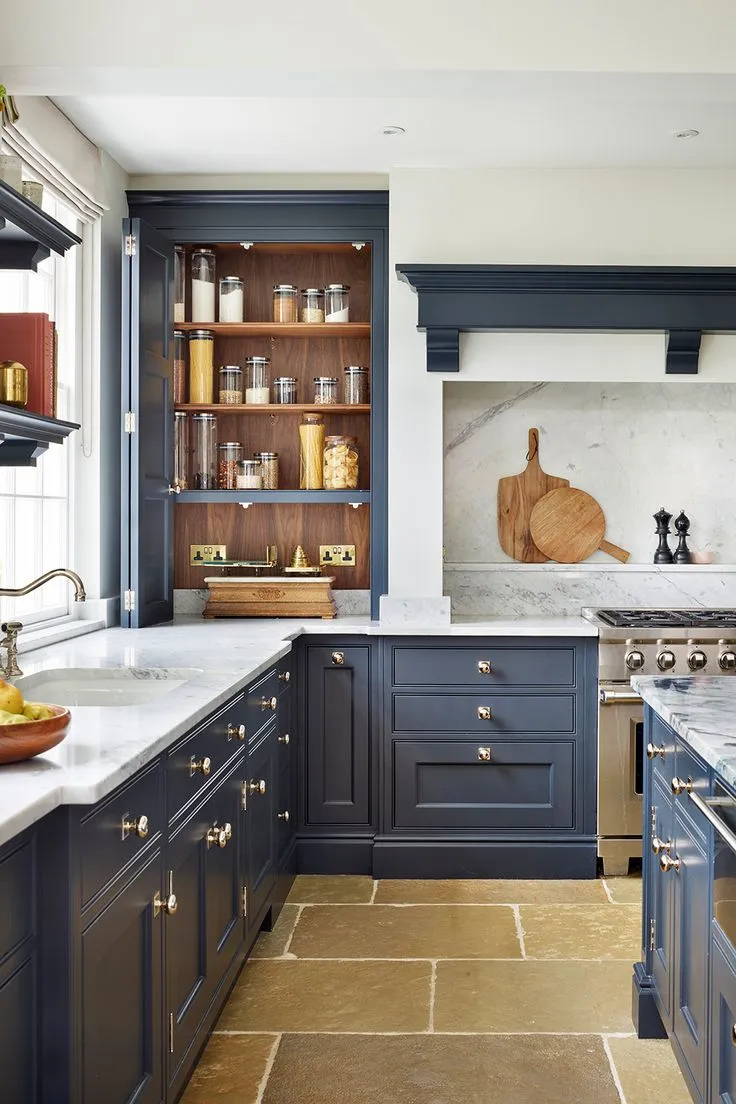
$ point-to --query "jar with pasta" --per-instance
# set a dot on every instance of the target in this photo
(311, 450)
(285, 303)
(228, 454)
(201, 366)
(269, 469)
(340, 463)
(313, 305)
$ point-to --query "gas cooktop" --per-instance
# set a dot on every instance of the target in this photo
(668, 619)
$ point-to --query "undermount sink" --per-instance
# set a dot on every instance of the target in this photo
(110, 687)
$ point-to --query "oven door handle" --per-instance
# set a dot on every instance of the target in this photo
(722, 829)
(619, 697)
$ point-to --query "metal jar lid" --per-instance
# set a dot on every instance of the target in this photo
(180, 414)
(257, 360)
(285, 289)
(179, 333)
(338, 287)
(284, 379)
(235, 281)
(355, 370)
(325, 379)
(248, 465)
(201, 335)
(233, 369)
(229, 444)
(204, 417)
(312, 291)
(206, 249)
(265, 456)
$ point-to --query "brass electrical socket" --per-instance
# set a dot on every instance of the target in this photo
(337, 555)
(200, 553)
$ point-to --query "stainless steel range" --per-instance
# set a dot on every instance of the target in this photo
(659, 642)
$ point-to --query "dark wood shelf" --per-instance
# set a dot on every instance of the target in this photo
(273, 408)
(281, 248)
(280, 329)
(24, 436)
(28, 234)
(324, 498)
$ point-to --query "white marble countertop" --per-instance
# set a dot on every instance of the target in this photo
(106, 746)
(701, 709)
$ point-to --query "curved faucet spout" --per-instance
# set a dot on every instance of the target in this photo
(17, 592)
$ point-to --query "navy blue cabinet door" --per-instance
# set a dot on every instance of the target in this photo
(147, 555)
(662, 903)
(121, 998)
(223, 884)
(18, 1026)
(692, 937)
(337, 736)
(723, 1018)
(261, 797)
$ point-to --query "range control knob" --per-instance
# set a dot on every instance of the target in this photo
(697, 660)
(666, 660)
(727, 661)
(635, 660)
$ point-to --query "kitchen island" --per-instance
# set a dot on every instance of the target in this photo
(685, 985)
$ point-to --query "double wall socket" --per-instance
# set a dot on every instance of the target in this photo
(337, 555)
(199, 554)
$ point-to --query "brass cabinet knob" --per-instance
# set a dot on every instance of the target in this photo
(484, 712)
(284, 816)
(169, 904)
(484, 667)
(484, 754)
(338, 658)
(137, 827)
(680, 787)
(235, 732)
(200, 766)
(653, 751)
(219, 835)
(175, 489)
(666, 864)
(258, 787)
(228, 830)
(285, 676)
(658, 845)
(285, 739)
(269, 703)
(733, 1034)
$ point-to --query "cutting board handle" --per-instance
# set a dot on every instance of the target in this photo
(533, 450)
(614, 550)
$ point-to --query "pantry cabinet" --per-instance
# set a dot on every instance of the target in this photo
(19, 1010)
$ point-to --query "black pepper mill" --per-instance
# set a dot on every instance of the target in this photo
(663, 555)
(682, 552)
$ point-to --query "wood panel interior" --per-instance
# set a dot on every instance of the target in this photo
(246, 533)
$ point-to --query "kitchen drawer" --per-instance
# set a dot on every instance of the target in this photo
(689, 766)
(285, 669)
(663, 739)
(467, 666)
(105, 847)
(17, 894)
(463, 713)
(202, 753)
(262, 703)
(447, 785)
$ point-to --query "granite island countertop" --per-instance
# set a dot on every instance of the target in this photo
(107, 745)
(702, 710)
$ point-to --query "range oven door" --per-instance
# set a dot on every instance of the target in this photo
(620, 761)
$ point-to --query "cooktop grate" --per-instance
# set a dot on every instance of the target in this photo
(668, 619)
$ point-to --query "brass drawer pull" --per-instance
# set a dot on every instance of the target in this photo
(235, 732)
(219, 836)
(284, 816)
(169, 904)
(733, 1034)
(285, 676)
(484, 667)
(680, 787)
(658, 845)
(285, 739)
(338, 658)
(269, 703)
(666, 864)
(137, 827)
(653, 751)
(484, 713)
(200, 766)
(258, 787)
(484, 754)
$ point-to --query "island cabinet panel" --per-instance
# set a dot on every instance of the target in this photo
(722, 1020)
(261, 821)
(19, 1011)
(661, 931)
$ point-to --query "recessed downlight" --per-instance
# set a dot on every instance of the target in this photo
(686, 134)
(390, 130)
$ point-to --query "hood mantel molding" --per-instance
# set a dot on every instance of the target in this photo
(684, 303)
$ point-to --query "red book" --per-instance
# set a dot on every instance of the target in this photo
(30, 339)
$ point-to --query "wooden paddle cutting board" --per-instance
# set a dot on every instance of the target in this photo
(517, 497)
(567, 525)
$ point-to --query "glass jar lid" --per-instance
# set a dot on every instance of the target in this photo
(286, 289)
(257, 360)
(235, 281)
(311, 419)
(201, 335)
(285, 379)
(325, 379)
(232, 369)
(205, 417)
(341, 439)
(355, 370)
(338, 287)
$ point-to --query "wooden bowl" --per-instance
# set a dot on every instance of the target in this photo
(23, 741)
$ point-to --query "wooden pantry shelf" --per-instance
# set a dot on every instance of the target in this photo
(323, 498)
(291, 247)
(280, 329)
(273, 408)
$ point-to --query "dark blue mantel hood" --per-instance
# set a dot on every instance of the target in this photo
(684, 303)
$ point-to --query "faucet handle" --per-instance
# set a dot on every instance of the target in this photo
(13, 627)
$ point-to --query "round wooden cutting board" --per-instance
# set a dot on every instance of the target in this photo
(567, 525)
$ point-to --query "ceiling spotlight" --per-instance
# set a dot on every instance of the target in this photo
(686, 134)
(389, 130)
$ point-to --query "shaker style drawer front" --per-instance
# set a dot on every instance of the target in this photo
(118, 830)
(499, 785)
(487, 714)
(661, 750)
(483, 666)
(200, 755)
(691, 770)
(262, 703)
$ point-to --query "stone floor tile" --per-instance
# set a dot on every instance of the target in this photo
(287, 995)
(230, 1070)
(331, 889)
(272, 944)
(582, 931)
(648, 1071)
(422, 931)
(533, 996)
(436, 1069)
(625, 891)
(481, 891)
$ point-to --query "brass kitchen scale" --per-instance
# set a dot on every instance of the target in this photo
(301, 591)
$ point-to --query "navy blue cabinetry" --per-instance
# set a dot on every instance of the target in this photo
(262, 831)
(19, 1012)
(723, 1021)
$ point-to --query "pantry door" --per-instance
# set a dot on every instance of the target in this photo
(147, 555)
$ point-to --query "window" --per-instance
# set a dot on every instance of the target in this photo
(36, 503)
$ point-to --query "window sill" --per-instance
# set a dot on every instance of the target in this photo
(31, 639)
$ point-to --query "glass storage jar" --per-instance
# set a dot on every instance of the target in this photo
(355, 385)
(180, 270)
(269, 469)
(203, 285)
(231, 385)
(228, 454)
(180, 366)
(181, 450)
(284, 390)
(284, 303)
(256, 380)
(340, 463)
(313, 307)
(204, 452)
(201, 366)
(325, 390)
(231, 299)
(249, 476)
(337, 303)
(311, 449)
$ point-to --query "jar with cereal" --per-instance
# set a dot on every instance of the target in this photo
(228, 454)
(341, 463)
(325, 390)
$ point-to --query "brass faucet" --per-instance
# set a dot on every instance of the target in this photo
(12, 628)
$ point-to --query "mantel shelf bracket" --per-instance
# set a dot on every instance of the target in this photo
(683, 350)
(443, 349)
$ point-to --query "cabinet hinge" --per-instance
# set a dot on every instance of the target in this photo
(171, 1032)
(129, 421)
(130, 245)
(245, 900)
(652, 934)
(129, 601)
(243, 796)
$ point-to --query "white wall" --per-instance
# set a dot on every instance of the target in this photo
(622, 216)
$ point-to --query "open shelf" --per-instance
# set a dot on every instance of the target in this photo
(324, 498)
(291, 247)
(28, 234)
(280, 329)
(24, 436)
(273, 408)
